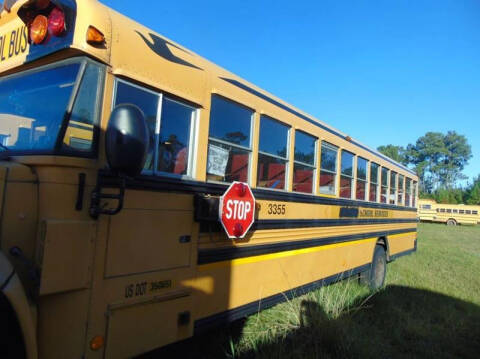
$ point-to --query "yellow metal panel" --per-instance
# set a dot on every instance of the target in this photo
(148, 240)
(66, 255)
(401, 242)
(136, 329)
(62, 324)
(229, 284)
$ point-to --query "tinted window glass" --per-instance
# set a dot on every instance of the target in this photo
(273, 137)
(305, 148)
(361, 168)
(148, 103)
(329, 158)
(84, 117)
(230, 122)
(347, 163)
(303, 178)
(174, 143)
(271, 172)
(384, 176)
(32, 106)
(328, 168)
(373, 173)
(393, 179)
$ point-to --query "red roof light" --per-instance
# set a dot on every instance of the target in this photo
(56, 22)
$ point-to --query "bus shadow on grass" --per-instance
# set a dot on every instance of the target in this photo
(397, 322)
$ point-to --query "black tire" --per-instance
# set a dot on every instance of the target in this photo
(374, 278)
(11, 340)
(451, 222)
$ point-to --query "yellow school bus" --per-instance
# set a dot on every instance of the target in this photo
(450, 214)
(115, 147)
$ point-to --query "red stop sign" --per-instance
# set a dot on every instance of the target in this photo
(237, 210)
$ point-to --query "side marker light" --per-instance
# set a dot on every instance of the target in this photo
(94, 36)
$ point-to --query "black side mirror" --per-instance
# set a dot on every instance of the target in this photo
(127, 140)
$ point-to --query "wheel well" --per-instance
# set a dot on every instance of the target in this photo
(10, 331)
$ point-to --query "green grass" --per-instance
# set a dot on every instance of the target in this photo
(430, 308)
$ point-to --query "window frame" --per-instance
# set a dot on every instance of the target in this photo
(58, 149)
(395, 188)
(402, 193)
(315, 157)
(387, 186)
(366, 180)
(376, 184)
(287, 159)
(193, 137)
(331, 147)
(352, 177)
(226, 143)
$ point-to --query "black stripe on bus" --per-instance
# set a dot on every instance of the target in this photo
(313, 122)
(206, 256)
(156, 183)
(306, 223)
(264, 303)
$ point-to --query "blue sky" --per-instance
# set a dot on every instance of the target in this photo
(382, 71)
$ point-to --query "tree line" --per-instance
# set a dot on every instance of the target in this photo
(439, 160)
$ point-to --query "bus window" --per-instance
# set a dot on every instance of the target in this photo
(304, 162)
(414, 194)
(442, 210)
(328, 168)
(475, 212)
(176, 126)
(171, 128)
(384, 190)
(408, 192)
(393, 187)
(400, 190)
(449, 210)
(373, 182)
(230, 145)
(272, 154)
(361, 191)
(426, 206)
(461, 211)
(147, 101)
(346, 176)
(467, 211)
(83, 123)
(455, 211)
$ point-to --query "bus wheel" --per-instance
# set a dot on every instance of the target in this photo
(11, 341)
(451, 222)
(374, 278)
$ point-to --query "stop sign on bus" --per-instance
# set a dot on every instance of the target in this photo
(237, 210)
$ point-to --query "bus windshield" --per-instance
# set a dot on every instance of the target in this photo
(33, 106)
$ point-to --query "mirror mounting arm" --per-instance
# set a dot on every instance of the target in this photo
(118, 182)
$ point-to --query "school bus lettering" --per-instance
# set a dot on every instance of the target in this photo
(13, 43)
(164, 191)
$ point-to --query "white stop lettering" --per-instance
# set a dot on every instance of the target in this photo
(238, 210)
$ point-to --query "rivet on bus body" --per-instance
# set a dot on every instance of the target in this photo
(97, 342)
(237, 230)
